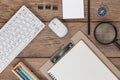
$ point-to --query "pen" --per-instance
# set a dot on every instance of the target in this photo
(22, 74)
(25, 72)
(88, 17)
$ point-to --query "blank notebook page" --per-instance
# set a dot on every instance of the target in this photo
(81, 63)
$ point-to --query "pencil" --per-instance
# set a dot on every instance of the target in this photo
(22, 74)
(25, 72)
(88, 17)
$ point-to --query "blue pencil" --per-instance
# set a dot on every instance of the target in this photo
(22, 74)
(25, 72)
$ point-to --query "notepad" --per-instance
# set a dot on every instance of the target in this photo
(81, 63)
(73, 9)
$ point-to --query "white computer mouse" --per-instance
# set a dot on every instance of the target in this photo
(58, 27)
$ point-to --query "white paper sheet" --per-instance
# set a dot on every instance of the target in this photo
(81, 63)
(73, 9)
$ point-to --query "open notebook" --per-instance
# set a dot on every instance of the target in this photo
(80, 63)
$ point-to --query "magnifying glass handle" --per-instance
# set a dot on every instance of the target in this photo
(117, 44)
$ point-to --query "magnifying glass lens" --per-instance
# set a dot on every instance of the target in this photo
(105, 33)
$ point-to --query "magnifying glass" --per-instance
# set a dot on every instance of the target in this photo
(106, 33)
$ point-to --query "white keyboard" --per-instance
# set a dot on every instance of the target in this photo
(16, 34)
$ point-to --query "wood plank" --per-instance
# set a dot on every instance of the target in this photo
(112, 7)
(8, 8)
(34, 64)
(47, 43)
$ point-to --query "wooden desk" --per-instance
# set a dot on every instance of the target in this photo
(47, 43)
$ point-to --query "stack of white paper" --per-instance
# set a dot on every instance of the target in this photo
(73, 9)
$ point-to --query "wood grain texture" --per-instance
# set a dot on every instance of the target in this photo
(47, 43)
(8, 8)
(112, 7)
